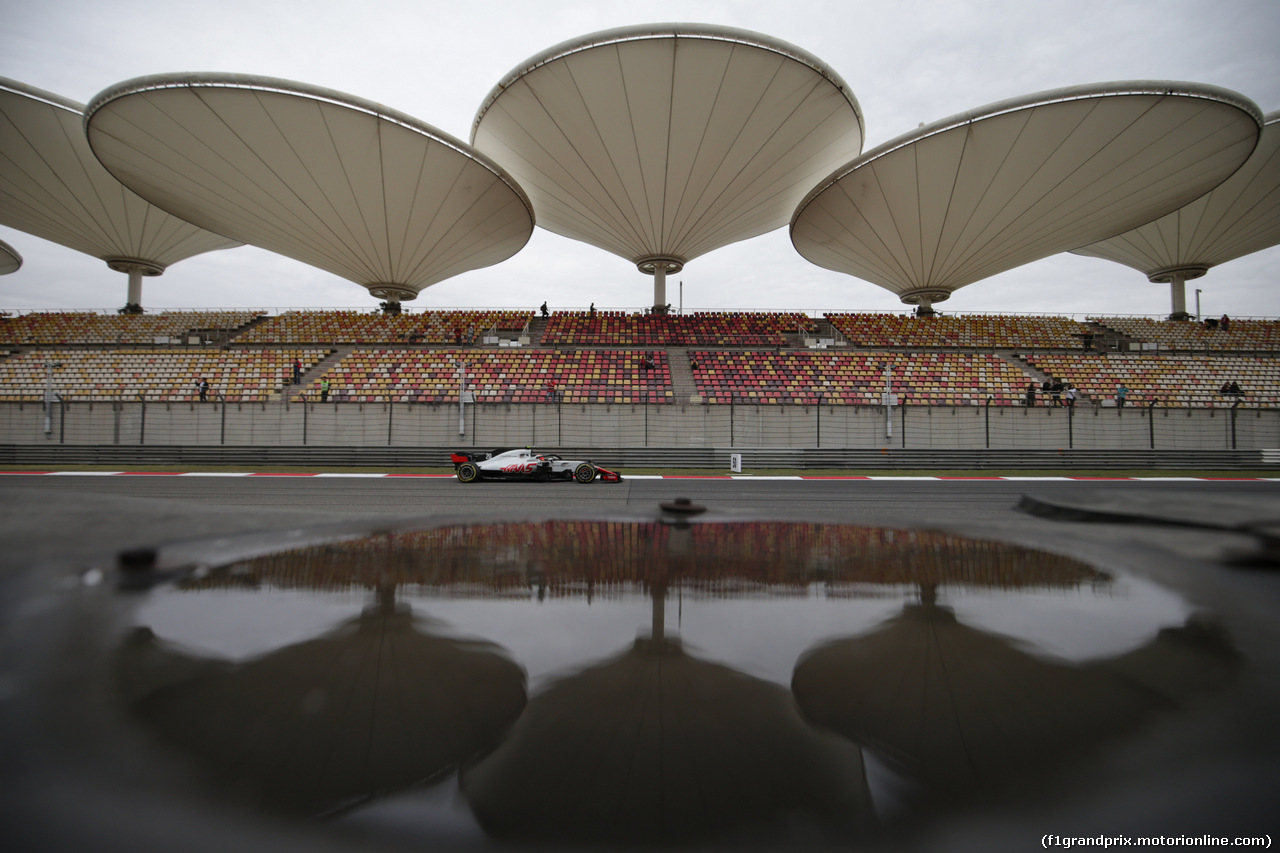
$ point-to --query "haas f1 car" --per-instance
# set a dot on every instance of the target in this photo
(525, 464)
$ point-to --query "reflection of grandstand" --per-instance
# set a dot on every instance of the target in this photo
(581, 557)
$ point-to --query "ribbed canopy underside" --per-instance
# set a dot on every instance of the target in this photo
(10, 260)
(669, 141)
(52, 186)
(987, 191)
(351, 187)
(1238, 218)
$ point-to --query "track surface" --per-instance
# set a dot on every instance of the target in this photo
(887, 502)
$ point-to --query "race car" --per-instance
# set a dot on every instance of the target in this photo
(523, 463)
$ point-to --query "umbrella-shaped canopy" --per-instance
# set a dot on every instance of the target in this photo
(960, 710)
(1003, 185)
(372, 707)
(1238, 218)
(344, 184)
(10, 260)
(656, 745)
(52, 186)
(660, 143)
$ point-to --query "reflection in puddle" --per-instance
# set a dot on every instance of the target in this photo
(769, 657)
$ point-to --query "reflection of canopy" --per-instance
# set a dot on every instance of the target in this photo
(656, 745)
(10, 260)
(51, 186)
(343, 184)
(1238, 218)
(720, 556)
(988, 190)
(372, 707)
(951, 706)
(660, 143)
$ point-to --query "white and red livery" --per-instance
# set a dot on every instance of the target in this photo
(524, 463)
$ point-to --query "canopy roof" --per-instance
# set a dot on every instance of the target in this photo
(344, 184)
(10, 260)
(51, 186)
(1238, 218)
(1003, 185)
(669, 140)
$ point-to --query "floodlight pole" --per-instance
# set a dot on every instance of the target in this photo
(1198, 292)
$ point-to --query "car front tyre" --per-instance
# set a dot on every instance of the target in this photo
(468, 473)
(584, 473)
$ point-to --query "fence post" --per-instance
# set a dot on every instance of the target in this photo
(818, 424)
(62, 421)
(305, 406)
(1234, 406)
(732, 397)
(391, 408)
(1151, 424)
(987, 425)
(142, 421)
(115, 413)
(1071, 425)
(646, 418)
(222, 434)
(559, 421)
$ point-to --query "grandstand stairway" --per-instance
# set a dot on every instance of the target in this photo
(318, 370)
(682, 384)
(536, 327)
(1107, 340)
(1019, 362)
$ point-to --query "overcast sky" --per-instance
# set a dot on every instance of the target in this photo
(908, 63)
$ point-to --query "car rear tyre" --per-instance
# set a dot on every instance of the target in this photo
(584, 473)
(468, 473)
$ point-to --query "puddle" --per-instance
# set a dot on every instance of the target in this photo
(615, 683)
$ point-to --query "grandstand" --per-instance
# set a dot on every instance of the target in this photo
(353, 327)
(171, 327)
(697, 376)
(154, 375)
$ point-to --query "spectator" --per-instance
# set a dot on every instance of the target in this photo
(1121, 393)
(1031, 393)
(457, 335)
(693, 364)
(545, 312)
(202, 385)
(1232, 388)
(324, 390)
(1056, 390)
(1088, 341)
(1071, 396)
(1224, 323)
(592, 309)
(297, 371)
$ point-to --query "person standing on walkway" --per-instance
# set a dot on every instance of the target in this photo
(1121, 393)
(202, 385)
(297, 371)
(324, 390)
(1031, 393)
